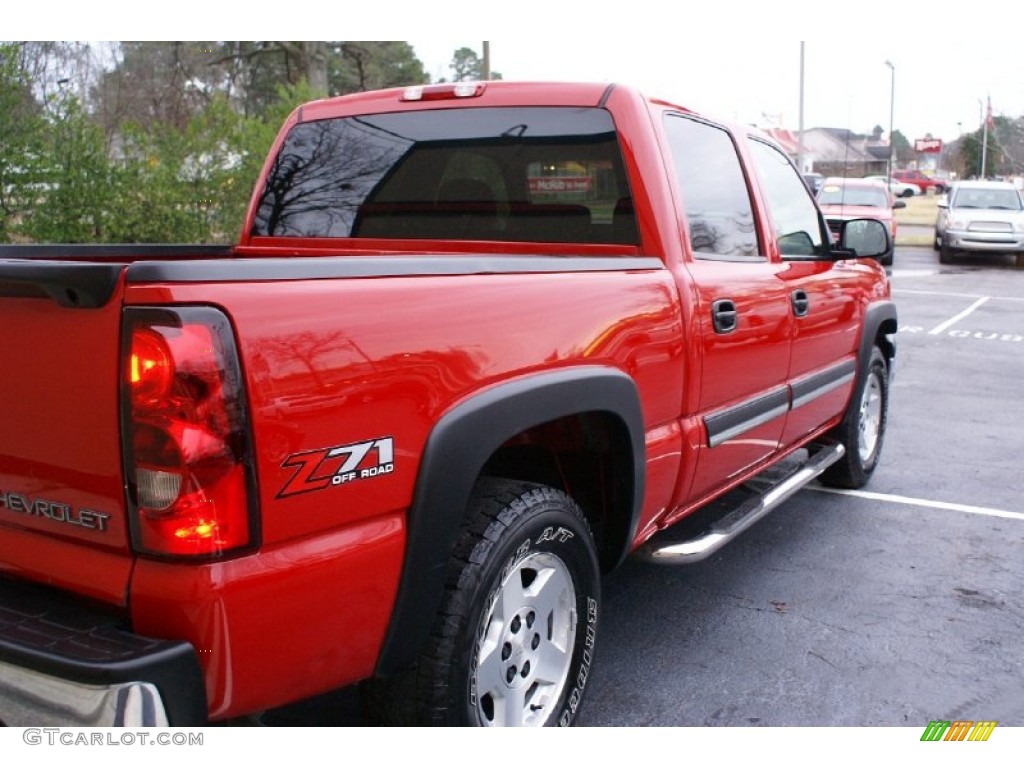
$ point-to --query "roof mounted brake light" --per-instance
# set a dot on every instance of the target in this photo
(443, 91)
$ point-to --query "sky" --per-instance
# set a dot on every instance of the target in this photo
(759, 81)
(734, 61)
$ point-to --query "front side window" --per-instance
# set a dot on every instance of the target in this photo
(719, 214)
(793, 213)
(531, 174)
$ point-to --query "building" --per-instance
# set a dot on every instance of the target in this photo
(836, 151)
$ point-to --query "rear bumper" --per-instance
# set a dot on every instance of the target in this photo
(64, 664)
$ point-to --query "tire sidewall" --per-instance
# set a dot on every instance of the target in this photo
(851, 471)
(877, 368)
(563, 535)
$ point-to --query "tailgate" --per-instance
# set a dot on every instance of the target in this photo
(62, 507)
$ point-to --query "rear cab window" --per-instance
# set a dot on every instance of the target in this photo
(542, 174)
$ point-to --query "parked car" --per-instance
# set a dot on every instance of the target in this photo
(813, 181)
(978, 217)
(923, 180)
(896, 187)
(844, 199)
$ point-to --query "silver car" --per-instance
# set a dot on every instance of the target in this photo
(980, 216)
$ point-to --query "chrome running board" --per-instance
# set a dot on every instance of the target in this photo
(772, 488)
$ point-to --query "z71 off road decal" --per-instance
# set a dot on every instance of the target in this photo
(340, 465)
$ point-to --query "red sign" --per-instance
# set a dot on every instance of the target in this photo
(928, 145)
(559, 184)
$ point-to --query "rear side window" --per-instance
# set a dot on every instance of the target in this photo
(544, 174)
(719, 214)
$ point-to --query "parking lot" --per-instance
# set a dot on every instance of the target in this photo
(892, 606)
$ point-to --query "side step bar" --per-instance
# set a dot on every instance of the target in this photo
(771, 492)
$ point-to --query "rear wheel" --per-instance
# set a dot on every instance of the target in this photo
(863, 427)
(514, 639)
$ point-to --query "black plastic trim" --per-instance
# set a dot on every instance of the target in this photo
(878, 314)
(817, 384)
(606, 95)
(63, 637)
(70, 284)
(456, 451)
(737, 419)
(125, 252)
(322, 268)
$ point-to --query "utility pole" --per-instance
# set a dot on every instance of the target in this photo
(800, 129)
(984, 138)
(892, 110)
(485, 66)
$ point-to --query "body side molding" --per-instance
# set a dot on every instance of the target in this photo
(814, 385)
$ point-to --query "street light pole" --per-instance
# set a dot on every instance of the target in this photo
(892, 109)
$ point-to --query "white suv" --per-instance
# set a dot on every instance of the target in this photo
(980, 216)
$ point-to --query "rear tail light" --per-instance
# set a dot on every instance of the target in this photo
(187, 456)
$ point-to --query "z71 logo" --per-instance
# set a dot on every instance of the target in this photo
(342, 464)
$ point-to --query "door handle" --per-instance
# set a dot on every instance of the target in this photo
(801, 303)
(724, 316)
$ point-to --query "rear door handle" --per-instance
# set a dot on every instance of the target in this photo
(801, 303)
(724, 316)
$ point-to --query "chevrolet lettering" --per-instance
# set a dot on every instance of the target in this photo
(53, 510)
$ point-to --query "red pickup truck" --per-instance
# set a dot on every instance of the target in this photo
(477, 343)
(923, 180)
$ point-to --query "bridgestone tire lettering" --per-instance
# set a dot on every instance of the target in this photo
(514, 639)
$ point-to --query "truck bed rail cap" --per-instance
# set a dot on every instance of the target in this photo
(70, 284)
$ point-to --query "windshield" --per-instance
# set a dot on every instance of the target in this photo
(839, 194)
(526, 174)
(999, 199)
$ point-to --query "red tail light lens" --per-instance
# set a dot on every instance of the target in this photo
(186, 449)
(150, 367)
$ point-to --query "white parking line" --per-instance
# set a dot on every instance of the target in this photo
(957, 318)
(987, 511)
(956, 295)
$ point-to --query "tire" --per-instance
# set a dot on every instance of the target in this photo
(862, 429)
(514, 637)
(945, 254)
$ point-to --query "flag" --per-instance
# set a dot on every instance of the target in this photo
(988, 115)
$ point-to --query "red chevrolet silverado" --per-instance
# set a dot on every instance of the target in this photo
(476, 344)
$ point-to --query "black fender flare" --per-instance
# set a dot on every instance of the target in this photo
(880, 316)
(455, 453)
